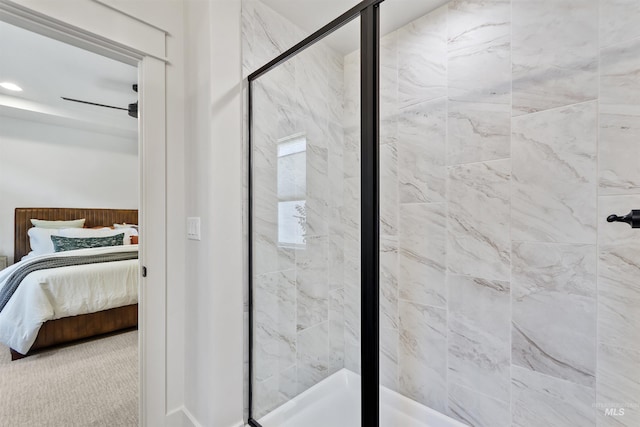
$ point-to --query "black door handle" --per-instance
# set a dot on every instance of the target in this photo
(632, 218)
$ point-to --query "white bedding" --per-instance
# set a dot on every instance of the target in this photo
(65, 291)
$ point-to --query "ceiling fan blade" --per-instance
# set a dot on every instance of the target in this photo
(133, 110)
(93, 103)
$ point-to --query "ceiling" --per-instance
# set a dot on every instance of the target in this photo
(48, 69)
(311, 15)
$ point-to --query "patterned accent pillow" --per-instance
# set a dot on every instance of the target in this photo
(61, 244)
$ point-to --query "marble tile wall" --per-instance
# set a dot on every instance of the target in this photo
(558, 66)
(454, 205)
(618, 293)
(516, 124)
(508, 134)
(617, 375)
(618, 299)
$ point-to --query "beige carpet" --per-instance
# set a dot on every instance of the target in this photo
(94, 383)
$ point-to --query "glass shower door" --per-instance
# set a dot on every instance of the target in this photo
(305, 198)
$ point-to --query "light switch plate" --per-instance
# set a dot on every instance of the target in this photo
(193, 228)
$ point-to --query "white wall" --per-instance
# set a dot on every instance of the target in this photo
(214, 335)
(45, 165)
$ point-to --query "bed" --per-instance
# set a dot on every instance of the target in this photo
(67, 329)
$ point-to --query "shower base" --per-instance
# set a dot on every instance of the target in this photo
(335, 402)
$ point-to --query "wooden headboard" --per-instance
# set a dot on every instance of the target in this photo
(94, 218)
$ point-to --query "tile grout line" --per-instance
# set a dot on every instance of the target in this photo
(511, 192)
(552, 109)
(563, 380)
(474, 391)
(614, 44)
(397, 188)
(446, 213)
(597, 204)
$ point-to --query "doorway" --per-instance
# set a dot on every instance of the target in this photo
(132, 41)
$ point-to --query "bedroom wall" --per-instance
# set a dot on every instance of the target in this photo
(56, 166)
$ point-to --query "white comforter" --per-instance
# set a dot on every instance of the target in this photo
(65, 291)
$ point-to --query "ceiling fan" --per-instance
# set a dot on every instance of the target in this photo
(132, 108)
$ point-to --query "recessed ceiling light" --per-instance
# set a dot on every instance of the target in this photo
(11, 86)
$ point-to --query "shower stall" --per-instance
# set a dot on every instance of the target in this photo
(428, 190)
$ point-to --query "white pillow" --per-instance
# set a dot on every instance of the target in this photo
(40, 240)
(42, 223)
(133, 227)
(28, 256)
(98, 232)
(124, 225)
